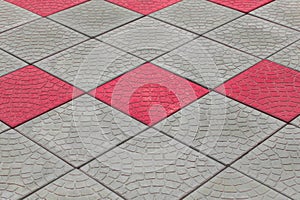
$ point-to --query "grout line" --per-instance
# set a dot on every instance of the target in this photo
(20, 25)
(273, 189)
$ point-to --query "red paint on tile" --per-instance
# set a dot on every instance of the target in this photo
(29, 92)
(242, 5)
(149, 93)
(45, 7)
(269, 87)
(144, 7)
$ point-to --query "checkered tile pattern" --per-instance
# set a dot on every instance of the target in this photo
(157, 99)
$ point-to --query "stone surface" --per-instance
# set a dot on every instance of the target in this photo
(269, 87)
(25, 166)
(89, 64)
(220, 127)
(8, 63)
(296, 121)
(255, 36)
(95, 17)
(149, 93)
(29, 92)
(81, 129)
(242, 5)
(230, 185)
(285, 12)
(206, 62)
(152, 166)
(197, 16)
(147, 37)
(38, 39)
(74, 186)
(3, 127)
(276, 162)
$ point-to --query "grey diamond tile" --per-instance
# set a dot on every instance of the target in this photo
(81, 129)
(3, 127)
(220, 127)
(230, 185)
(289, 56)
(276, 162)
(95, 17)
(254, 35)
(296, 121)
(206, 62)
(12, 16)
(74, 186)
(147, 37)
(285, 12)
(25, 166)
(9, 63)
(38, 39)
(89, 64)
(197, 16)
(152, 166)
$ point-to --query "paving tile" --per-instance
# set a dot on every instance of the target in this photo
(45, 7)
(285, 12)
(242, 5)
(144, 7)
(3, 127)
(28, 92)
(297, 121)
(38, 39)
(81, 129)
(74, 186)
(89, 64)
(12, 16)
(149, 93)
(147, 37)
(230, 184)
(289, 56)
(95, 17)
(269, 87)
(25, 166)
(255, 36)
(152, 166)
(276, 162)
(197, 16)
(9, 63)
(206, 62)
(220, 127)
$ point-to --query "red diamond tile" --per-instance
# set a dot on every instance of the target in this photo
(242, 5)
(269, 87)
(149, 93)
(45, 7)
(29, 92)
(144, 7)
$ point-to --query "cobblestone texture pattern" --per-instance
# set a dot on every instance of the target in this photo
(26, 168)
(95, 17)
(269, 87)
(289, 56)
(197, 16)
(12, 16)
(38, 39)
(28, 92)
(9, 63)
(3, 127)
(89, 64)
(147, 38)
(230, 185)
(296, 121)
(220, 127)
(255, 36)
(276, 162)
(74, 186)
(152, 166)
(206, 62)
(81, 129)
(285, 12)
(144, 7)
(45, 7)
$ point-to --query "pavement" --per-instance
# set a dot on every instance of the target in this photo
(156, 99)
